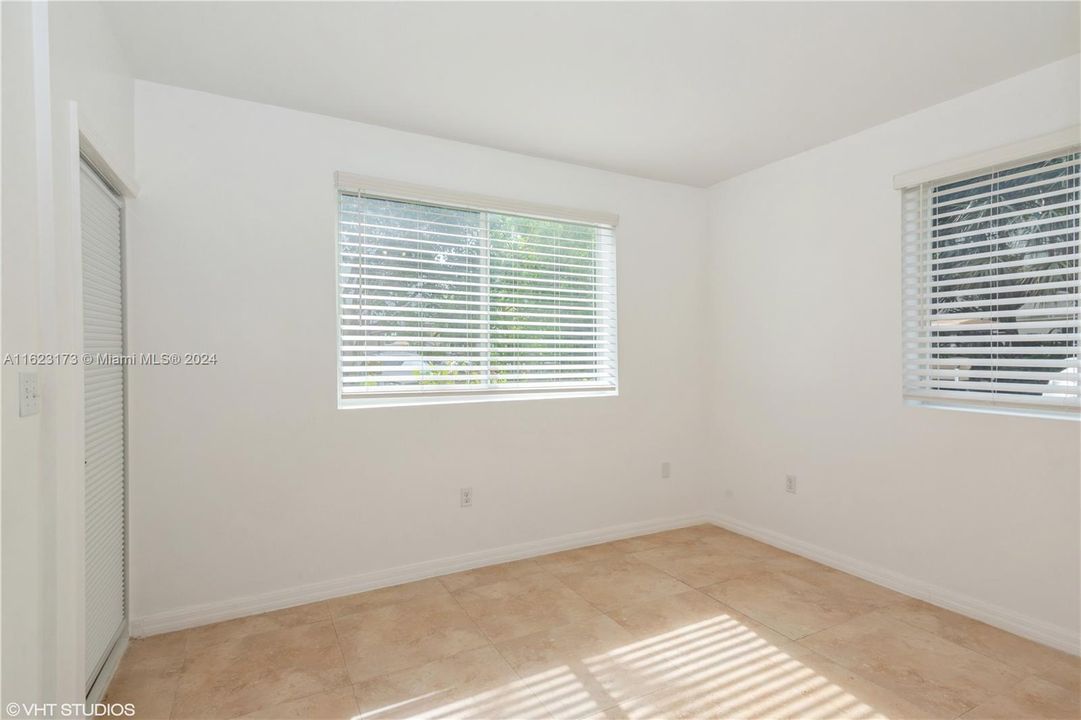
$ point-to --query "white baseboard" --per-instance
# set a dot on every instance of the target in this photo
(195, 615)
(1042, 632)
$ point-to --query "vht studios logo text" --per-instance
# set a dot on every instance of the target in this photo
(64, 710)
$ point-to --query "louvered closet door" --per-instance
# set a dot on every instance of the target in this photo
(103, 334)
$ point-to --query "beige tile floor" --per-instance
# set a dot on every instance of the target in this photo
(691, 623)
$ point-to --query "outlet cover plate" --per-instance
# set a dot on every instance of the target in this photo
(29, 397)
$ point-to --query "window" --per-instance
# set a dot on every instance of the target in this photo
(991, 288)
(448, 297)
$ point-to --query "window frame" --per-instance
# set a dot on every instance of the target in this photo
(369, 187)
(916, 186)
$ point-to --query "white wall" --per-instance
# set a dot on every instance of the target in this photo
(53, 55)
(805, 274)
(247, 479)
(90, 68)
(24, 621)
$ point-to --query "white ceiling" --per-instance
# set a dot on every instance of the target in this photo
(687, 92)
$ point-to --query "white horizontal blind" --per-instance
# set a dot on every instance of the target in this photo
(991, 288)
(103, 333)
(438, 300)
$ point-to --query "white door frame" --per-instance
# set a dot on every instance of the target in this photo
(70, 418)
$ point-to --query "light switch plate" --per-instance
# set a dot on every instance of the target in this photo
(29, 399)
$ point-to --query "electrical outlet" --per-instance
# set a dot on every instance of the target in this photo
(666, 469)
(790, 483)
(467, 497)
(29, 398)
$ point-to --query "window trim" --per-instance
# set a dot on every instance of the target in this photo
(408, 192)
(366, 186)
(1050, 145)
(474, 396)
(1011, 154)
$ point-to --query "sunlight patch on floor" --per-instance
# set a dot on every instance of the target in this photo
(717, 667)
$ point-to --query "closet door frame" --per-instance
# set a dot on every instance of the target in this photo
(72, 674)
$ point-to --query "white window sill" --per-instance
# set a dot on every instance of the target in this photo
(376, 401)
(998, 410)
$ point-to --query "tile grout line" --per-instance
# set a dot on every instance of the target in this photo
(525, 684)
(1025, 673)
(179, 676)
(605, 613)
(341, 653)
(1028, 672)
(513, 669)
(856, 671)
(820, 590)
(800, 639)
(468, 617)
(337, 642)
